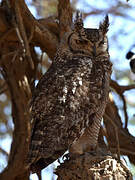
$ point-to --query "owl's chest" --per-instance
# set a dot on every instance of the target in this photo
(82, 87)
(82, 96)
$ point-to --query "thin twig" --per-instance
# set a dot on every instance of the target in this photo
(31, 34)
(125, 110)
(3, 85)
(124, 151)
(3, 90)
(39, 175)
(4, 56)
(120, 90)
(114, 11)
(4, 152)
(6, 34)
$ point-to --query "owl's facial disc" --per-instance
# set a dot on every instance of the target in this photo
(90, 41)
(79, 45)
(93, 44)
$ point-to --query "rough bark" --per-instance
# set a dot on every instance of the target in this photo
(91, 166)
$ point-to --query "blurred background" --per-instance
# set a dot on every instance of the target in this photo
(121, 40)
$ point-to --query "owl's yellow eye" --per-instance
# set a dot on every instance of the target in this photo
(82, 41)
(102, 42)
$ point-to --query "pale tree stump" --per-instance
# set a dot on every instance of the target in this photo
(93, 167)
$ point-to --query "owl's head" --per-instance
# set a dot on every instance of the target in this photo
(90, 42)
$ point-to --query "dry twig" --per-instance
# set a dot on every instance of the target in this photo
(120, 90)
(4, 152)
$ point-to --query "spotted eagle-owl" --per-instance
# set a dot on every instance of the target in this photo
(70, 99)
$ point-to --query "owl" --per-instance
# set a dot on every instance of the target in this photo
(69, 100)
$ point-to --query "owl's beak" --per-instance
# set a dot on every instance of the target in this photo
(94, 50)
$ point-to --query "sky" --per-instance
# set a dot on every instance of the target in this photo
(123, 43)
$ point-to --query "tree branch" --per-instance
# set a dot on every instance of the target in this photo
(39, 34)
(120, 90)
(65, 16)
(89, 166)
(22, 34)
(3, 88)
(126, 140)
(4, 152)
(20, 95)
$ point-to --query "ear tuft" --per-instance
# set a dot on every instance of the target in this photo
(78, 23)
(78, 26)
(104, 25)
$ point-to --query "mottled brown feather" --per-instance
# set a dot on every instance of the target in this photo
(70, 99)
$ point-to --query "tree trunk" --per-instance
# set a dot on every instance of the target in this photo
(93, 167)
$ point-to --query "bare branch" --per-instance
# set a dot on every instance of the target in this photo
(120, 90)
(65, 16)
(21, 32)
(20, 119)
(40, 33)
(126, 140)
(3, 90)
(4, 152)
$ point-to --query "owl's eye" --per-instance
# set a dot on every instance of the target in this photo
(102, 42)
(81, 41)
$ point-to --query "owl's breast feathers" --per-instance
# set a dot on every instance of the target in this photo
(70, 92)
(63, 102)
(71, 97)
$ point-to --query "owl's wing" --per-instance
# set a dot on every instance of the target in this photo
(55, 110)
(45, 105)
